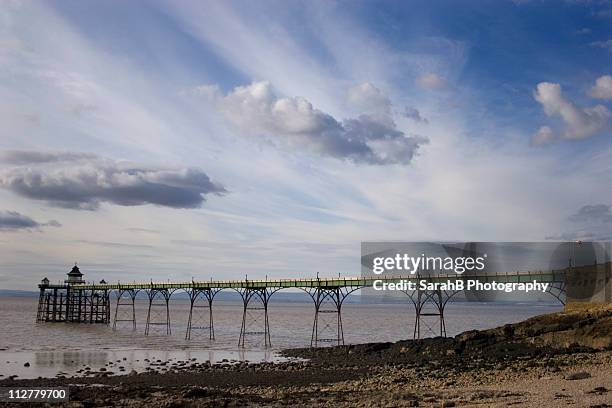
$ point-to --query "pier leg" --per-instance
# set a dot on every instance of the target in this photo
(107, 310)
(558, 291)
(201, 299)
(328, 302)
(99, 311)
(131, 303)
(429, 304)
(54, 317)
(40, 315)
(158, 299)
(47, 307)
(255, 299)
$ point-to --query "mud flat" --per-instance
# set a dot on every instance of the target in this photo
(560, 359)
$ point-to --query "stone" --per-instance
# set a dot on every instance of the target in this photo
(196, 392)
(578, 375)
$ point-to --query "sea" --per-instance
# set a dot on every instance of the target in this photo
(30, 350)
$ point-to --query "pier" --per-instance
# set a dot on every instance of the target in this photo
(77, 301)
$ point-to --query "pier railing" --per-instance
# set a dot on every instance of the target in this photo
(505, 277)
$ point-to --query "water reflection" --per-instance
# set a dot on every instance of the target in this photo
(70, 359)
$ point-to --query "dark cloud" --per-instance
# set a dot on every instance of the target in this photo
(108, 244)
(31, 157)
(84, 184)
(589, 223)
(14, 221)
(377, 141)
(598, 213)
(294, 123)
(414, 114)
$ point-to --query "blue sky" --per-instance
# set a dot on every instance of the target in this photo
(165, 140)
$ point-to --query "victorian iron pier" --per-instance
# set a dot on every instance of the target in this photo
(77, 301)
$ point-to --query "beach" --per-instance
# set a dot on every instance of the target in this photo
(559, 359)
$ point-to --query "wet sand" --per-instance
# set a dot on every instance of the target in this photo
(562, 359)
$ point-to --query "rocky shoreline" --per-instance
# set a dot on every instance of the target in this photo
(558, 359)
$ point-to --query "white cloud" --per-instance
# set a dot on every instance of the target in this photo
(543, 136)
(432, 82)
(606, 45)
(602, 88)
(369, 98)
(579, 123)
(293, 122)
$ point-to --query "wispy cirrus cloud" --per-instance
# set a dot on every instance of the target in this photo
(432, 82)
(34, 157)
(606, 45)
(83, 181)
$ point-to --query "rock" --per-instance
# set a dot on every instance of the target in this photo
(26, 364)
(578, 375)
(196, 392)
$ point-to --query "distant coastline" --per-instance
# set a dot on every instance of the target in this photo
(17, 293)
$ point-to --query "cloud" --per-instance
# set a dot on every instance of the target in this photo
(543, 136)
(604, 13)
(590, 223)
(369, 98)
(107, 244)
(32, 157)
(14, 221)
(602, 88)
(414, 114)
(598, 213)
(432, 82)
(606, 45)
(76, 181)
(295, 123)
(579, 123)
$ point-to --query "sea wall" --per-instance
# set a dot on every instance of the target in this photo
(588, 285)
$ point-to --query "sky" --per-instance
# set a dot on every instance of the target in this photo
(157, 140)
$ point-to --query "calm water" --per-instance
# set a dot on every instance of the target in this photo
(52, 348)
